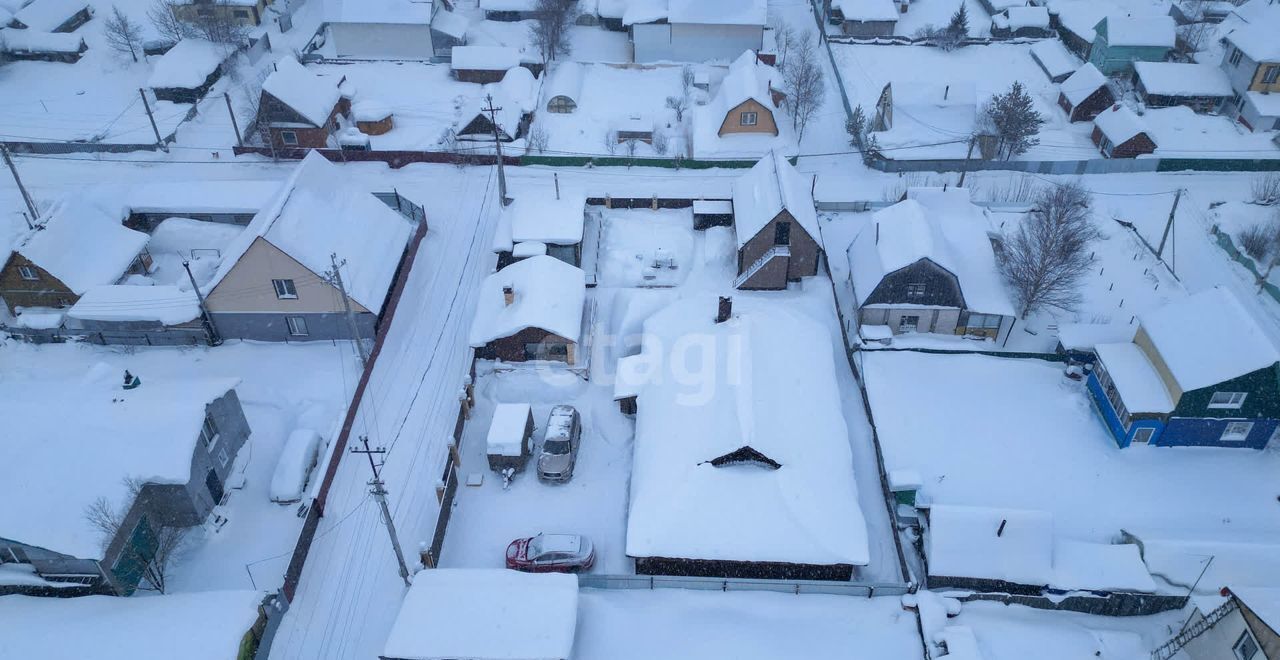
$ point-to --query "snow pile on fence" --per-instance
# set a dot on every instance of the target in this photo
(548, 295)
(84, 245)
(187, 65)
(166, 304)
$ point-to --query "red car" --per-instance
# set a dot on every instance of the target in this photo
(551, 553)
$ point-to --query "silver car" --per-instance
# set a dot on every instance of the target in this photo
(560, 444)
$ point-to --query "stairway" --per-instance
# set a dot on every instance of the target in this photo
(1169, 648)
(775, 252)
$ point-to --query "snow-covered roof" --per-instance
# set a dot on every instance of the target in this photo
(1016, 18)
(485, 58)
(122, 302)
(196, 197)
(769, 187)
(454, 25)
(370, 110)
(507, 114)
(1149, 30)
(1054, 57)
(76, 441)
(943, 226)
(1207, 338)
(1262, 601)
(489, 614)
(84, 245)
(1085, 81)
(1079, 17)
(1120, 124)
(1257, 38)
(206, 625)
(186, 65)
(318, 212)
(566, 80)
(536, 215)
(644, 11)
(1178, 79)
(1136, 379)
(1001, 5)
(748, 78)
(718, 12)
(784, 405)
(35, 41)
(508, 5)
(867, 10)
(310, 95)
(549, 295)
(378, 11)
(961, 644)
(48, 15)
(506, 430)
(519, 86)
(1085, 336)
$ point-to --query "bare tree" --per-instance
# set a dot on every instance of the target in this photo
(632, 144)
(221, 27)
(686, 80)
(122, 34)
(784, 36)
(1193, 36)
(166, 22)
(550, 29)
(806, 88)
(661, 142)
(611, 142)
(1262, 243)
(679, 104)
(168, 541)
(538, 139)
(1265, 188)
(1015, 120)
(1046, 256)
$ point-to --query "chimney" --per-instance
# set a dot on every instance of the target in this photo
(725, 310)
(508, 294)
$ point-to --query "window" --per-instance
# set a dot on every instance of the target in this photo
(240, 13)
(1107, 147)
(915, 290)
(1271, 74)
(28, 273)
(1237, 100)
(285, 289)
(1231, 400)
(1236, 431)
(209, 432)
(289, 137)
(908, 323)
(984, 321)
(1245, 648)
(297, 326)
(203, 11)
(748, 118)
(1236, 56)
(223, 459)
(1143, 435)
(782, 233)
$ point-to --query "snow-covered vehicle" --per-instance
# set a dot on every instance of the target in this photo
(560, 444)
(294, 467)
(551, 553)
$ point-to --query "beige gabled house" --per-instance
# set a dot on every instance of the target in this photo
(749, 97)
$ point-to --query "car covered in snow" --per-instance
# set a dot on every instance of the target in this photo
(294, 467)
(560, 444)
(551, 553)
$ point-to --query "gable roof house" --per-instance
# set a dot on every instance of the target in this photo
(723, 484)
(531, 310)
(926, 264)
(748, 97)
(1251, 61)
(381, 29)
(537, 222)
(185, 72)
(79, 246)
(1085, 93)
(300, 109)
(864, 18)
(1201, 87)
(1119, 132)
(1243, 622)
(41, 46)
(1119, 41)
(515, 96)
(272, 283)
(53, 16)
(1200, 371)
(157, 455)
(775, 224)
(695, 30)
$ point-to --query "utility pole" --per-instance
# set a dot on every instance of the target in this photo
(556, 176)
(335, 278)
(967, 156)
(234, 125)
(497, 142)
(378, 490)
(26, 196)
(1169, 224)
(159, 142)
(209, 328)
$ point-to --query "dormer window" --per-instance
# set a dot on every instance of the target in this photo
(745, 455)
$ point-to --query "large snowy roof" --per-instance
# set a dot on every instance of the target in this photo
(207, 625)
(1135, 378)
(549, 295)
(488, 614)
(519, 86)
(536, 215)
(168, 304)
(718, 12)
(34, 41)
(769, 187)
(748, 79)
(1085, 81)
(785, 405)
(1178, 79)
(310, 95)
(1149, 30)
(1054, 57)
(943, 226)
(319, 212)
(867, 10)
(186, 65)
(1251, 27)
(1120, 124)
(84, 245)
(485, 58)
(76, 441)
(378, 11)
(48, 15)
(1208, 338)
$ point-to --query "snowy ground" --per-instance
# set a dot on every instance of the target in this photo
(632, 240)
(1013, 632)
(937, 13)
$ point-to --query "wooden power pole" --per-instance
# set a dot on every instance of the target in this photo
(378, 489)
(497, 142)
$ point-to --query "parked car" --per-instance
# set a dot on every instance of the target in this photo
(560, 444)
(294, 467)
(551, 553)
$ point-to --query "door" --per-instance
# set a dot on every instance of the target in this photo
(214, 484)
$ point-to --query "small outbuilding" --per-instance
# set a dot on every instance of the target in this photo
(53, 15)
(709, 213)
(564, 87)
(41, 46)
(1085, 94)
(543, 222)
(483, 64)
(372, 117)
(1021, 22)
(510, 439)
(1120, 133)
(299, 108)
(1054, 59)
(1201, 87)
(865, 18)
(531, 310)
(185, 73)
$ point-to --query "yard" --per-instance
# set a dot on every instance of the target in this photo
(1013, 632)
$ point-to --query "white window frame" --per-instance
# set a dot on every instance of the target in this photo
(28, 273)
(209, 441)
(223, 458)
(1234, 400)
(749, 118)
(1271, 74)
(285, 289)
(902, 323)
(289, 137)
(916, 289)
(1236, 56)
(297, 326)
(1150, 433)
(1239, 653)
(1241, 432)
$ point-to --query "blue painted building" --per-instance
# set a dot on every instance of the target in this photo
(1198, 372)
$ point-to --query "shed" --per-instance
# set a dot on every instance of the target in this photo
(1085, 93)
(448, 31)
(1054, 59)
(1021, 22)
(123, 306)
(372, 117)
(185, 73)
(42, 46)
(564, 87)
(712, 213)
(300, 108)
(539, 215)
(509, 442)
(530, 310)
(1120, 133)
(865, 18)
(483, 64)
(1201, 87)
(53, 15)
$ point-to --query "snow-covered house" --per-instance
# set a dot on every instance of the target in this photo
(865, 18)
(42, 46)
(273, 282)
(448, 30)
(53, 15)
(483, 64)
(1085, 94)
(380, 29)
(695, 30)
(515, 97)
(1251, 60)
(1201, 87)
(1054, 59)
(1199, 371)
(247, 13)
(541, 221)
(1243, 623)
(775, 224)
(1119, 132)
(156, 455)
(133, 308)
(926, 264)
(531, 310)
(564, 87)
(299, 108)
(205, 625)
(485, 613)
(748, 98)
(185, 72)
(1119, 41)
(1021, 22)
(80, 245)
(746, 472)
